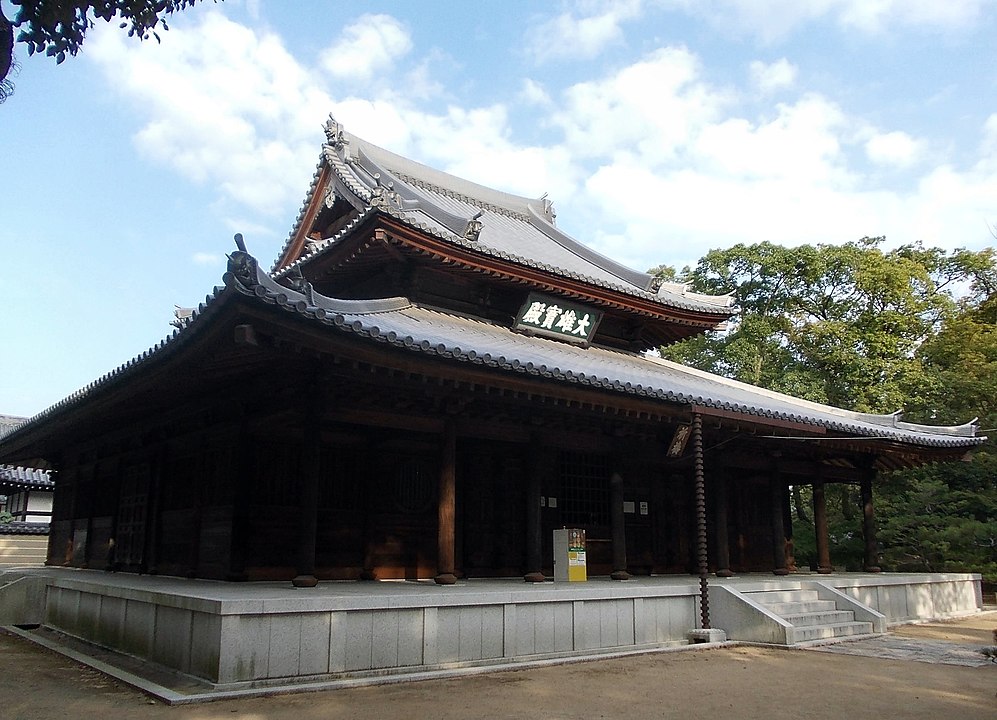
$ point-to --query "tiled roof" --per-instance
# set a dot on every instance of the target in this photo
(516, 229)
(9, 422)
(405, 325)
(433, 332)
(25, 477)
(24, 528)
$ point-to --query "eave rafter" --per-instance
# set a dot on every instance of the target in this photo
(389, 234)
(398, 367)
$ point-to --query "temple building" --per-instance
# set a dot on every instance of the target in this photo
(429, 381)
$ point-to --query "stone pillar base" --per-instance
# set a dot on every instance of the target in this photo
(619, 575)
(725, 573)
(711, 635)
(825, 570)
(872, 569)
(305, 581)
(781, 571)
(534, 577)
(445, 579)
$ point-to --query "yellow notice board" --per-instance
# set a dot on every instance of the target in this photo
(577, 572)
(569, 555)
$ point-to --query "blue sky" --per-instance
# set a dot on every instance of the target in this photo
(660, 128)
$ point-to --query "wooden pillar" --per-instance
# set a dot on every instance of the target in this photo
(618, 528)
(787, 529)
(154, 532)
(720, 525)
(367, 499)
(311, 475)
(776, 492)
(194, 556)
(700, 492)
(869, 520)
(820, 529)
(242, 470)
(534, 540)
(447, 529)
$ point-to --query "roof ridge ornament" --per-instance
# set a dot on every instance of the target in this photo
(382, 196)
(298, 282)
(548, 209)
(241, 264)
(473, 228)
(335, 134)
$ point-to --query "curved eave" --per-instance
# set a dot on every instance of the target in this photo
(369, 320)
(521, 270)
(123, 373)
(939, 437)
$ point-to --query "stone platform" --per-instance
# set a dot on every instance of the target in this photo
(255, 637)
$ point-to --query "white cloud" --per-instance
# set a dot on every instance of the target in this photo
(769, 78)
(651, 162)
(881, 15)
(790, 177)
(533, 93)
(652, 107)
(893, 148)
(226, 106)
(771, 20)
(369, 45)
(988, 146)
(567, 36)
(802, 144)
(207, 259)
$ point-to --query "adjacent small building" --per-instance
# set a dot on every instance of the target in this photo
(430, 379)
(25, 510)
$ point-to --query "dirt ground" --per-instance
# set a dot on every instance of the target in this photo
(745, 682)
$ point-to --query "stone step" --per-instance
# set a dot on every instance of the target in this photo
(828, 632)
(828, 617)
(796, 608)
(781, 596)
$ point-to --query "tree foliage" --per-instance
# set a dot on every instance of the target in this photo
(866, 329)
(839, 324)
(59, 27)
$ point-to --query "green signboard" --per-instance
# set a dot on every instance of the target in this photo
(554, 317)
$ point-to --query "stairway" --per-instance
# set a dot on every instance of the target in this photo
(811, 619)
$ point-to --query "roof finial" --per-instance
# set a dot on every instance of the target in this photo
(335, 134)
(548, 209)
(381, 194)
(240, 243)
(473, 228)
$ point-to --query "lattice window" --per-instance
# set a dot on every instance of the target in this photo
(584, 489)
(131, 513)
(342, 480)
(415, 486)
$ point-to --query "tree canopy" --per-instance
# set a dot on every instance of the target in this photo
(59, 27)
(867, 329)
(838, 324)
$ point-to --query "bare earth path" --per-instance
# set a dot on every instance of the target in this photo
(745, 682)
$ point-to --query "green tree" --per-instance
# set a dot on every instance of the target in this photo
(865, 329)
(58, 27)
(945, 517)
(839, 324)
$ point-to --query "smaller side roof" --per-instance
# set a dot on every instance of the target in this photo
(21, 477)
(9, 422)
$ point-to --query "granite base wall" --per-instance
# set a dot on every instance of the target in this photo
(229, 646)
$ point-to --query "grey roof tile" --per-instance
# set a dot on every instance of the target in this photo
(435, 333)
(25, 477)
(514, 228)
(467, 339)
